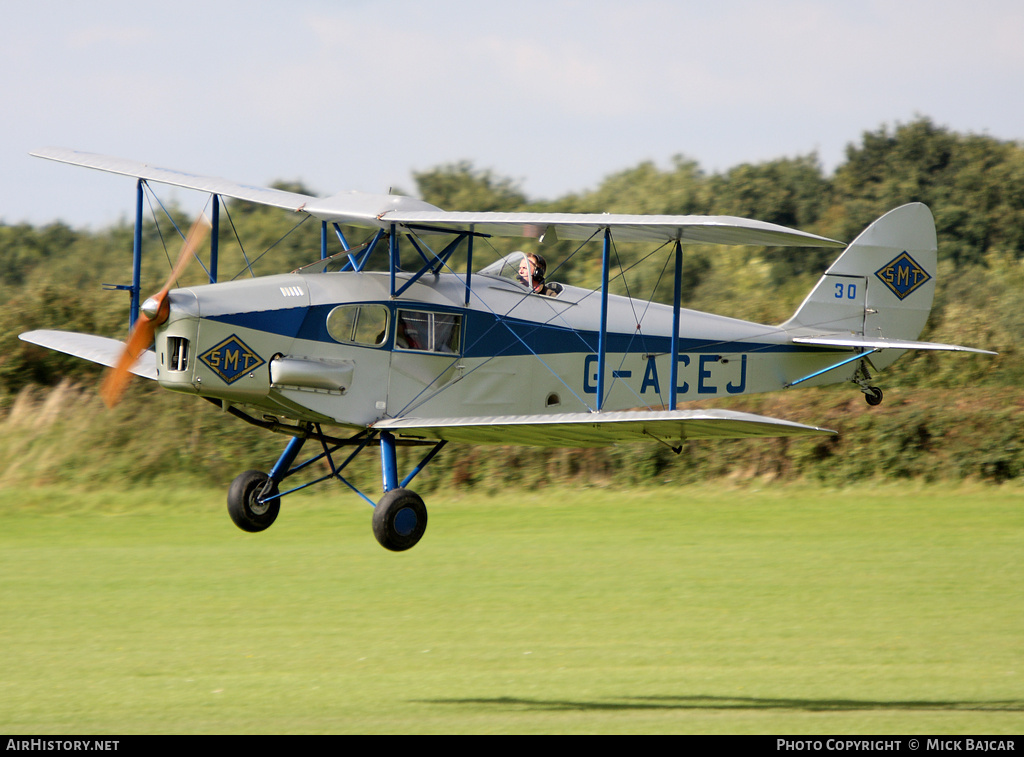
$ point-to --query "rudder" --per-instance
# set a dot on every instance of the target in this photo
(882, 285)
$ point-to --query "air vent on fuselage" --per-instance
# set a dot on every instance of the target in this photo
(177, 349)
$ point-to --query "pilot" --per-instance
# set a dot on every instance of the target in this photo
(531, 272)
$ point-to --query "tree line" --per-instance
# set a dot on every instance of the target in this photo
(52, 276)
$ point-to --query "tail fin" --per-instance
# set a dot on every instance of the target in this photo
(881, 287)
(875, 299)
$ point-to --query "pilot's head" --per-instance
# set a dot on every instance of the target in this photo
(532, 269)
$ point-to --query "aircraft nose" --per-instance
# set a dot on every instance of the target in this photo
(151, 308)
(175, 341)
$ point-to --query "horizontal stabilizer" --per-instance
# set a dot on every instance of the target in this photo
(671, 427)
(863, 342)
(96, 349)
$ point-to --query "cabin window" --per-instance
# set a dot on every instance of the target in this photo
(428, 331)
(359, 324)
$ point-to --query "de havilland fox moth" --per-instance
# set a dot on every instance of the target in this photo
(423, 354)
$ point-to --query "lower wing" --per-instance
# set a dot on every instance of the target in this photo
(671, 427)
(97, 349)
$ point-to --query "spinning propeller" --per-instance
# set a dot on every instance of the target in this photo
(154, 311)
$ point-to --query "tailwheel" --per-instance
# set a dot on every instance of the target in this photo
(873, 395)
(399, 520)
(247, 503)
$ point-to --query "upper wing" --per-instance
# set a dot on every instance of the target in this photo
(727, 230)
(598, 429)
(98, 349)
(274, 197)
(380, 211)
(356, 208)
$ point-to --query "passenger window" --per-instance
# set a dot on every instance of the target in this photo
(372, 325)
(359, 324)
(430, 332)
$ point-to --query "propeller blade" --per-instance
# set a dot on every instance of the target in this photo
(117, 378)
(193, 239)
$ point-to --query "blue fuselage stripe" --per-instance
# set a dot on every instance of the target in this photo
(487, 335)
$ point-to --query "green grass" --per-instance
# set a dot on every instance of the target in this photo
(700, 609)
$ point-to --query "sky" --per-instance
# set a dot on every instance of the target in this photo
(554, 94)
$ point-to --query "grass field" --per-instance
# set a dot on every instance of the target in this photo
(687, 610)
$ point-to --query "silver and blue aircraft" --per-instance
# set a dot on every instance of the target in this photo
(422, 354)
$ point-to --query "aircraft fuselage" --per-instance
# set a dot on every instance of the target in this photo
(335, 347)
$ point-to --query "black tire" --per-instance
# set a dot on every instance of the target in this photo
(399, 520)
(244, 505)
(873, 396)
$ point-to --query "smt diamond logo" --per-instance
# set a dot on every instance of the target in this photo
(902, 275)
(231, 359)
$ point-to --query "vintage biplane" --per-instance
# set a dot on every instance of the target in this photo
(423, 354)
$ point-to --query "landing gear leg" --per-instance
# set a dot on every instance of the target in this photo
(872, 394)
(400, 518)
(253, 501)
(249, 501)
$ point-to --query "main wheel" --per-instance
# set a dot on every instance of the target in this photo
(873, 396)
(245, 501)
(399, 520)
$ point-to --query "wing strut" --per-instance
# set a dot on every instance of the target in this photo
(602, 335)
(840, 364)
(469, 264)
(395, 261)
(214, 238)
(135, 288)
(133, 313)
(676, 296)
(439, 261)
